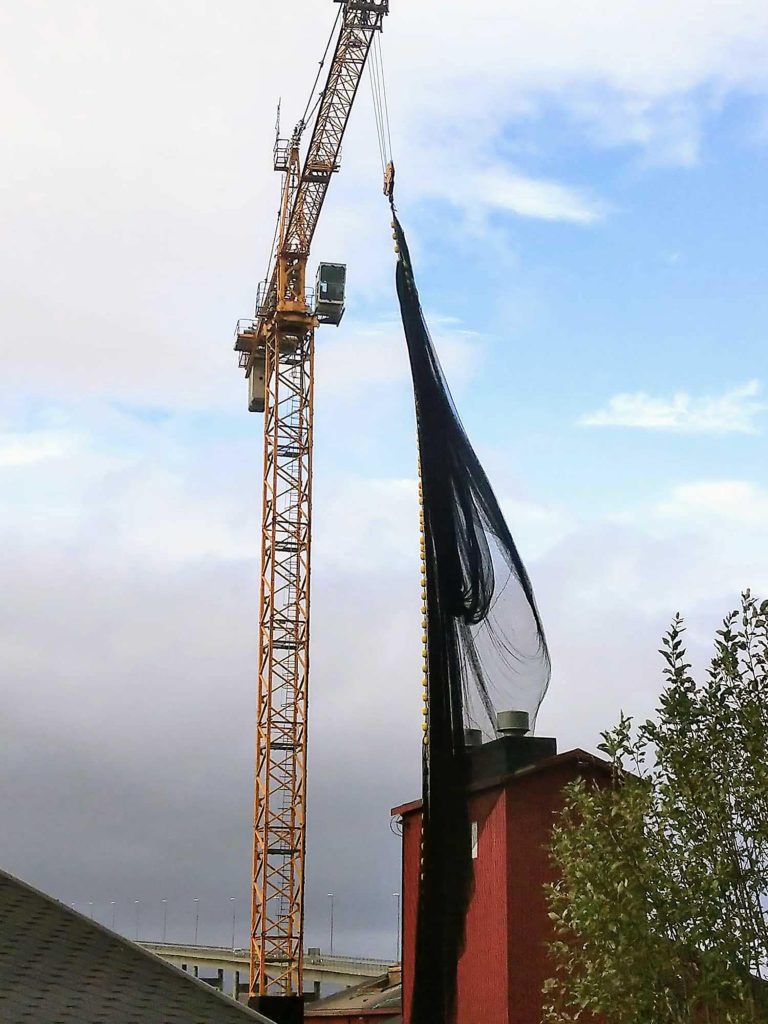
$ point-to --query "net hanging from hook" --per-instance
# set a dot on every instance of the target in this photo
(485, 645)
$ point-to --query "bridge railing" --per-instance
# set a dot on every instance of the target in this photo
(335, 963)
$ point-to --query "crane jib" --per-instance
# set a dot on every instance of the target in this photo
(377, 6)
(361, 19)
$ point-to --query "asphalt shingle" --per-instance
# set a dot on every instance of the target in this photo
(59, 967)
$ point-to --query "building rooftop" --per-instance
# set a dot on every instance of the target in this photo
(59, 967)
(576, 756)
(378, 998)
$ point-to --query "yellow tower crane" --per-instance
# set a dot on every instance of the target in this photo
(276, 350)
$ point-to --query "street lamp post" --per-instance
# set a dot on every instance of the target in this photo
(165, 918)
(196, 901)
(90, 904)
(397, 929)
(136, 903)
(233, 901)
(113, 904)
(331, 898)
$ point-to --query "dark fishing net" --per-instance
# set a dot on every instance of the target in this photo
(486, 649)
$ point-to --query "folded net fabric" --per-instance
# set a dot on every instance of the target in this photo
(486, 649)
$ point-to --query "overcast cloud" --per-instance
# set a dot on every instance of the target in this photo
(137, 208)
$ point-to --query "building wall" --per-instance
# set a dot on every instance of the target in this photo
(504, 964)
(482, 983)
(531, 804)
(364, 1017)
(410, 888)
(482, 995)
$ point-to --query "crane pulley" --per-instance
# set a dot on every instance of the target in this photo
(276, 350)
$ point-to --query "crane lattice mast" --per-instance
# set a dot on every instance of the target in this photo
(277, 353)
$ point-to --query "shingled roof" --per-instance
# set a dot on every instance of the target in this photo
(379, 999)
(59, 967)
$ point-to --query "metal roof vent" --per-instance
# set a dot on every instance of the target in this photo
(513, 723)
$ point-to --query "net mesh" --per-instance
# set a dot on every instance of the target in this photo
(486, 649)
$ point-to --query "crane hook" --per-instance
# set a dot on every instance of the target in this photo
(389, 181)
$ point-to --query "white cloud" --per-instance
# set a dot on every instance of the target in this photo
(735, 411)
(142, 209)
(368, 525)
(722, 526)
(536, 527)
(127, 492)
(18, 449)
(666, 130)
(738, 503)
(700, 543)
(526, 196)
(147, 601)
(643, 75)
(364, 355)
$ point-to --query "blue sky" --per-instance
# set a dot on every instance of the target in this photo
(584, 192)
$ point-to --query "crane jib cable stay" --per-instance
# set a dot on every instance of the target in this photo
(276, 351)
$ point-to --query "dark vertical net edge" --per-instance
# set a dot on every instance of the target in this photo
(486, 650)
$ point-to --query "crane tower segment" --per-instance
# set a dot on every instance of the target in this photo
(276, 350)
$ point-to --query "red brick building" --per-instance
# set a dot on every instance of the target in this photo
(516, 792)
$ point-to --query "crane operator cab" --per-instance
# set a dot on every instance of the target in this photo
(329, 292)
(329, 309)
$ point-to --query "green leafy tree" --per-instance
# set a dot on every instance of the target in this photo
(661, 908)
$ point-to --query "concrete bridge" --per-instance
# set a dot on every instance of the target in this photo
(322, 973)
